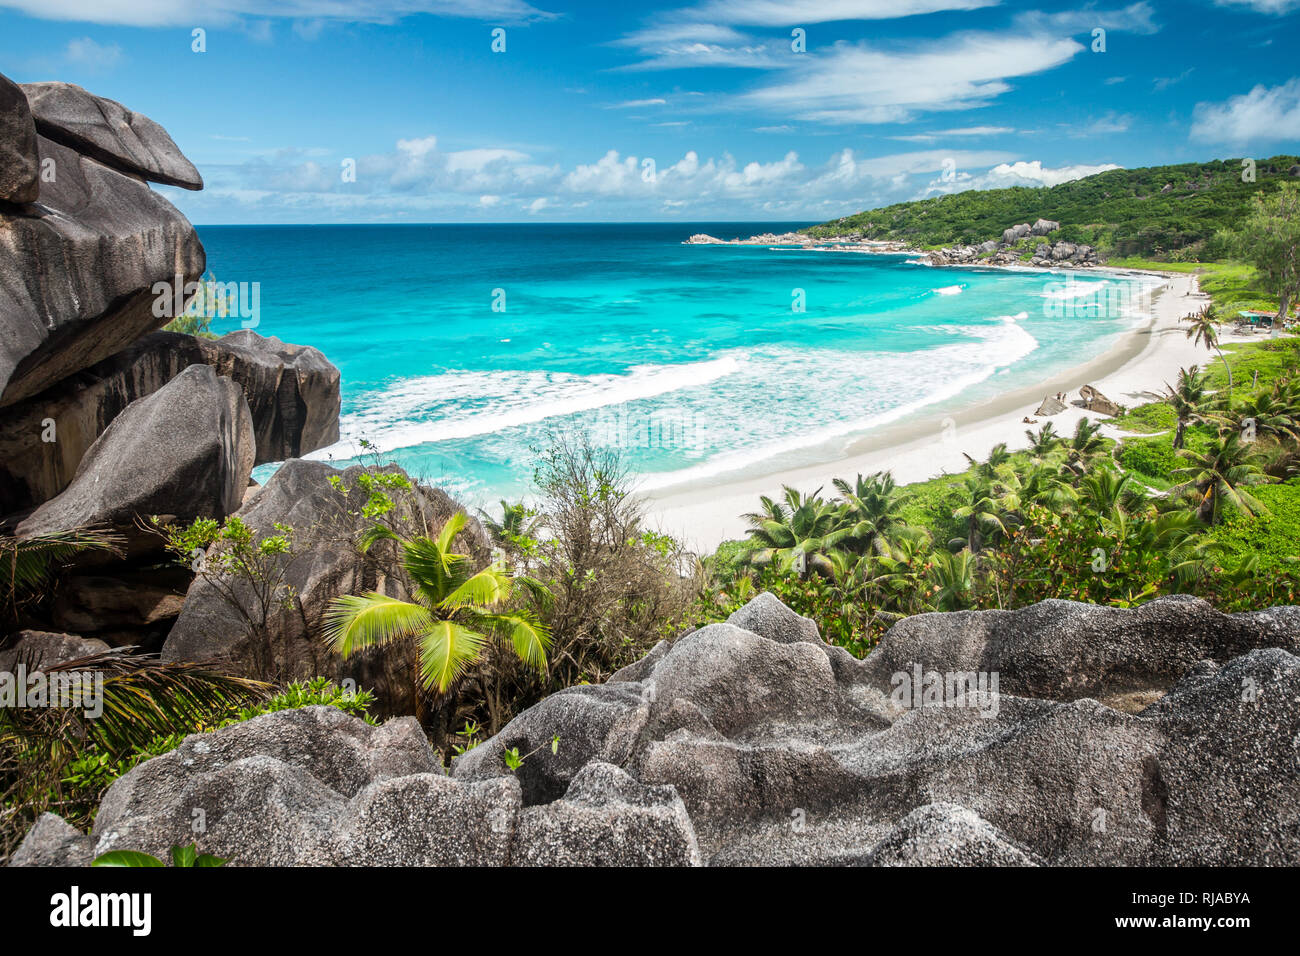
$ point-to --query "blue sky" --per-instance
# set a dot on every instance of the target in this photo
(692, 111)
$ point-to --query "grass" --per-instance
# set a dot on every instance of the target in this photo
(1274, 537)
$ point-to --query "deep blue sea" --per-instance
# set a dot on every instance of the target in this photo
(462, 347)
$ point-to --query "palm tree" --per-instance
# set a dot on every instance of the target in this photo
(1220, 473)
(798, 532)
(1086, 443)
(517, 521)
(1204, 331)
(980, 511)
(872, 509)
(952, 577)
(1044, 441)
(1189, 400)
(1104, 491)
(452, 616)
(1269, 414)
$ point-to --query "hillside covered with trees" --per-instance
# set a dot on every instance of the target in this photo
(1175, 212)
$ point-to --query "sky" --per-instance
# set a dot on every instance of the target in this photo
(306, 111)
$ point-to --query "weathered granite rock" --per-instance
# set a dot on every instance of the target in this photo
(78, 270)
(105, 130)
(37, 649)
(52, 841)
(767, 617)
(732, 748)
(1063, 250)
(184, 451)
(122, 604)
(606, 818)
(19, 162)
(592, 722)
(1064, 650)
(326, 564)
(292, 393)
(1043, 226)
(944, 834)
(274, 790)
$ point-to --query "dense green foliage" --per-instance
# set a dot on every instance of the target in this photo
(1158, 211)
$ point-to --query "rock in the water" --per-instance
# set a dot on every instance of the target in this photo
(292, 393)
(19, 162)
(52, 841)
(109, 132)
(79, 268)
(185, 451)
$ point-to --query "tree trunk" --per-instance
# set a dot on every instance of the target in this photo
(1178, 434)
(1226, 366)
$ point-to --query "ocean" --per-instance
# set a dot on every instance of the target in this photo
(465, 348)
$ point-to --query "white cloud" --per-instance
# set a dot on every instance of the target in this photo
(1263, 114)
(1107, 125)
(778, 13)
(88, 54)
(634, 104)
(1273, 7)
(158, 13)
(1013, 174)
(417, 181)
(857, 83)
(962, 131)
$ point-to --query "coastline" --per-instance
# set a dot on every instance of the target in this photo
(932, 441)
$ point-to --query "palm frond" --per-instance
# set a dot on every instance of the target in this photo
(354, 622)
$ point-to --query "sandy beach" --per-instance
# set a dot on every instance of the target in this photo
(935, 440)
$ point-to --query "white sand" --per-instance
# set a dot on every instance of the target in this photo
(930, 444)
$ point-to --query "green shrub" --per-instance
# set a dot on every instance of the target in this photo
(1273, 538)
(1154, 457)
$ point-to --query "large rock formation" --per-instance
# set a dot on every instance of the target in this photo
(18, 157)
(80, 263)
(185, 451)
(107, 131)
(735, 747)
(292, 393)
(325, 565)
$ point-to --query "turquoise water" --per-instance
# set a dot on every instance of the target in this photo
(463, 347)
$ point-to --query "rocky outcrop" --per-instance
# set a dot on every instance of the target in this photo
(292, 393)
(52, 841)
(185, 451)
(731, 747)
(107, 131)
(19, 166)
(79, 268)
(325, 564)
(1064, 650)
(1013, 250)
(40, 649)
